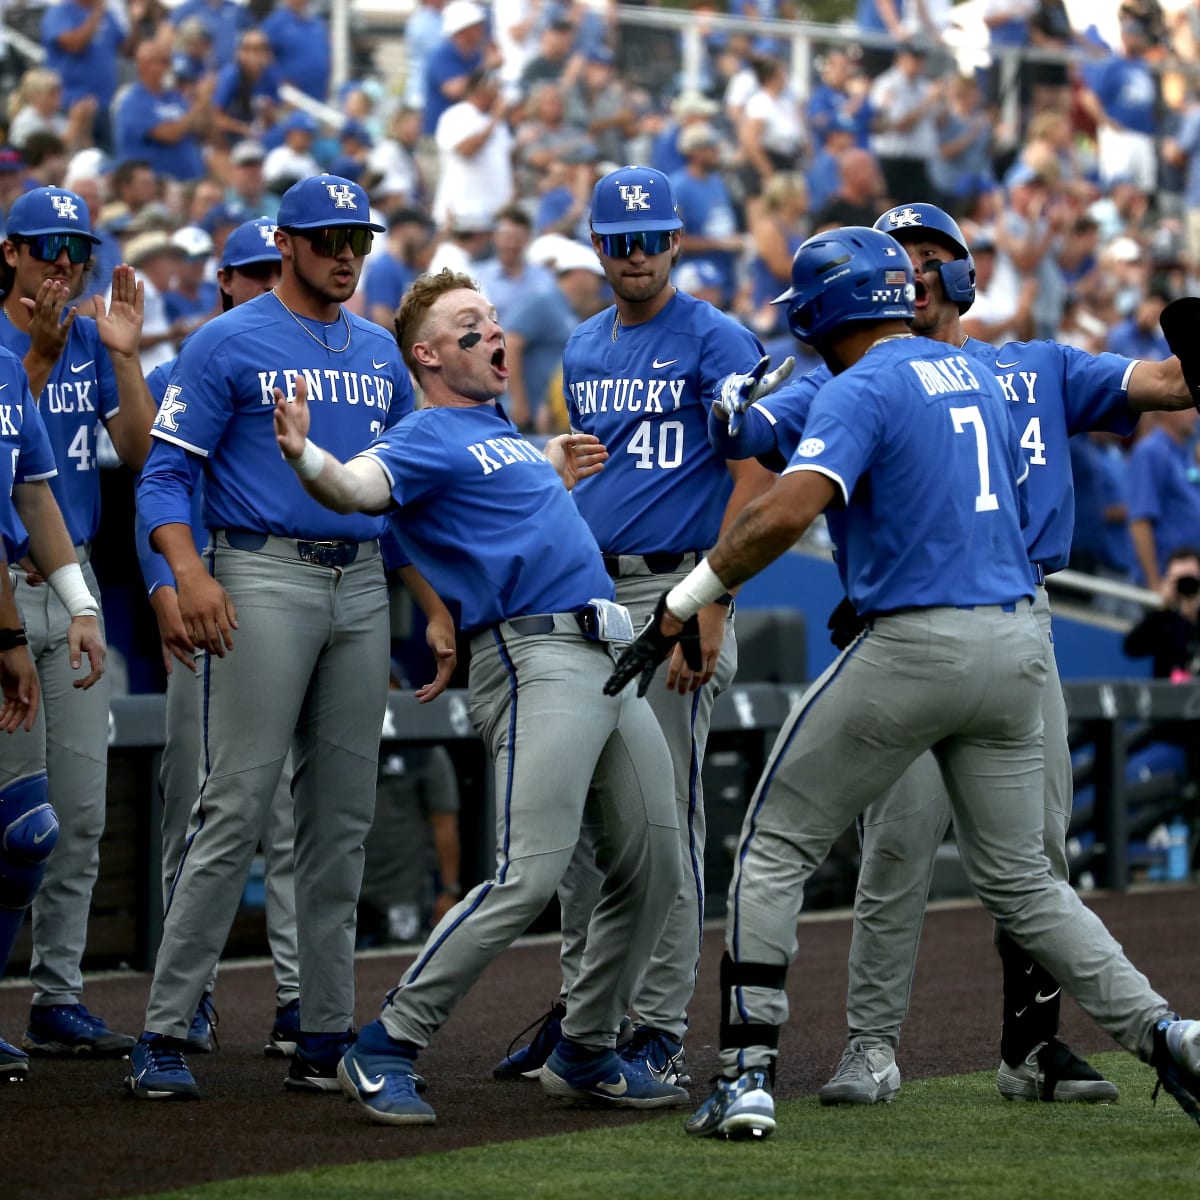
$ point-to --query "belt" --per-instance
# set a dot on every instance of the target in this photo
(1011, 607)
(663, 563)
(542, 624)
(319, 553)
(1039, 574)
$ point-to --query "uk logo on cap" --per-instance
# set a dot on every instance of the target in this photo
(341, 195)
(634, 198)
(65, 206)
(325, 200)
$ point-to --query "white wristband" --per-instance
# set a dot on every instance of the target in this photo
(70, 587)
(310, 463)
(701, 588)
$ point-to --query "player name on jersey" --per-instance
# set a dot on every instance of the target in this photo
(942, 375)
(627, 395)
(334, 387)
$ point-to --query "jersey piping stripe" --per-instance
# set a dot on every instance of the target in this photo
(166, 437)
(780, 750)
(513, 690)
(830, 475)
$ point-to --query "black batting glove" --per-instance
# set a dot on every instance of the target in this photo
(844, 624)
(642, 656)
(1180, 323)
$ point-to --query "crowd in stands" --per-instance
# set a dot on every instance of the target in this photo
(480, 145)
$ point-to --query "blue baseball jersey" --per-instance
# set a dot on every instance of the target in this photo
(485, 517)
(217, 417)
(646, 396)
(26, 455)
(917, 438)
(80, 393)
(1055, 392)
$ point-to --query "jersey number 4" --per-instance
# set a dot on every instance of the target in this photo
(986, 500)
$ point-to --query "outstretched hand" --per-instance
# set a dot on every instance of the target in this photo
(120, 325)
(641, 657)
(292, 420)
(48, 328)
(575, 456)
(737, 392)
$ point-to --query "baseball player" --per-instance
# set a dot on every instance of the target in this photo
(84, 371)
(486, 518)
(1054, 392)
(639, 376)
(912, 452)
(289, 605)
(250, 266)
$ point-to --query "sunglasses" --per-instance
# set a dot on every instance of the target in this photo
(620, 245)
(329, 242)
(46, 247)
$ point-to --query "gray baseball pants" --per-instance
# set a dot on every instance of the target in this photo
(669, 980)
(179, 782)
(901, 832)
(70, 740)
(308, 672)
(564, 754)
(967, 684)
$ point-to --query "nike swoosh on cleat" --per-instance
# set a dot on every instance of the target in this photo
(39, 838)
(77, 367)
(379, 366)
(1021, 1011)
(370, 1086)
(1040, 999)
(669, 362)
(614, 1089)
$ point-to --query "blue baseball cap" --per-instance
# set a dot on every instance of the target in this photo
(49, 210)
(222, 214)
(324, 200)
(250, 242)
(298, 120)
(356, 130)
(631, 199)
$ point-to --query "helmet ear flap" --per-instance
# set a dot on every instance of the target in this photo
(958, 281)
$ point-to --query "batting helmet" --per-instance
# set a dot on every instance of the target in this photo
(929, 222)
(849, 274)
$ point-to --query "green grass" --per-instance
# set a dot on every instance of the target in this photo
(946, 1138)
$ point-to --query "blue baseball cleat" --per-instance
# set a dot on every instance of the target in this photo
(158, 1070)
(526, 1063)
(14, 1063)
(202, 1036)
(1176, 1058)
(285, 1033)
(314, 1066)
(575, 1072)
(741, 1108)
(69, 1029)
(386, 1086)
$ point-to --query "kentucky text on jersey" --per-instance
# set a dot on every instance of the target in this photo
(351, 387)
(627, 395)
(507, 450)
(69, 397)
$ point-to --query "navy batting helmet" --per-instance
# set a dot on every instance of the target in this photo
(849, 274)
(930, 222)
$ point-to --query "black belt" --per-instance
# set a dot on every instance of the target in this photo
(320, 554)
(543, 623)
(1039, 574)
(663, 563)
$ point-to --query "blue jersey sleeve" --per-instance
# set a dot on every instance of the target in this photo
(35, 457)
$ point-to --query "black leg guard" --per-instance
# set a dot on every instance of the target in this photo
(1032, 999)
(747, 974)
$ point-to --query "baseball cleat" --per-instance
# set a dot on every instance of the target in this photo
(526, 1063)
(69, 1029)
(867, 1074)
(158, 1070)
(581, 1074)
(658, 1054)
(281, 1041)
(202, 1036)
(1051, 1072)
(314, 1065)
(739, 1109)
(386, 1086)
(14, 1063)
(1176, 1058)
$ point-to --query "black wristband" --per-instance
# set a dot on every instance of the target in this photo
(10, 639)
(724, 599)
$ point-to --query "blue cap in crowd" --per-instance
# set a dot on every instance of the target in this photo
(632, 198)
(223, 214)
(693, 275)
(299, 120)
(49, 210)
(356, 130)
(250, 242)
(324, 200)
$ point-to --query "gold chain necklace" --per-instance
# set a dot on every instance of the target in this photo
(326, 345)
(616, 325)
(891, 337)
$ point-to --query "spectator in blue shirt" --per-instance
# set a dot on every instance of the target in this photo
(300, 43)
(1101, 544)
(1164, 492)
(463, 50)
(158, 123)
(840, 97)
(83, 43)
(392, 267)
(1183, 151)
(1138, 336)
(246, 97)
(710, 226)
(224, 20)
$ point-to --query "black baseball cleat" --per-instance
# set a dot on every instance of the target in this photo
(1052, 1072)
